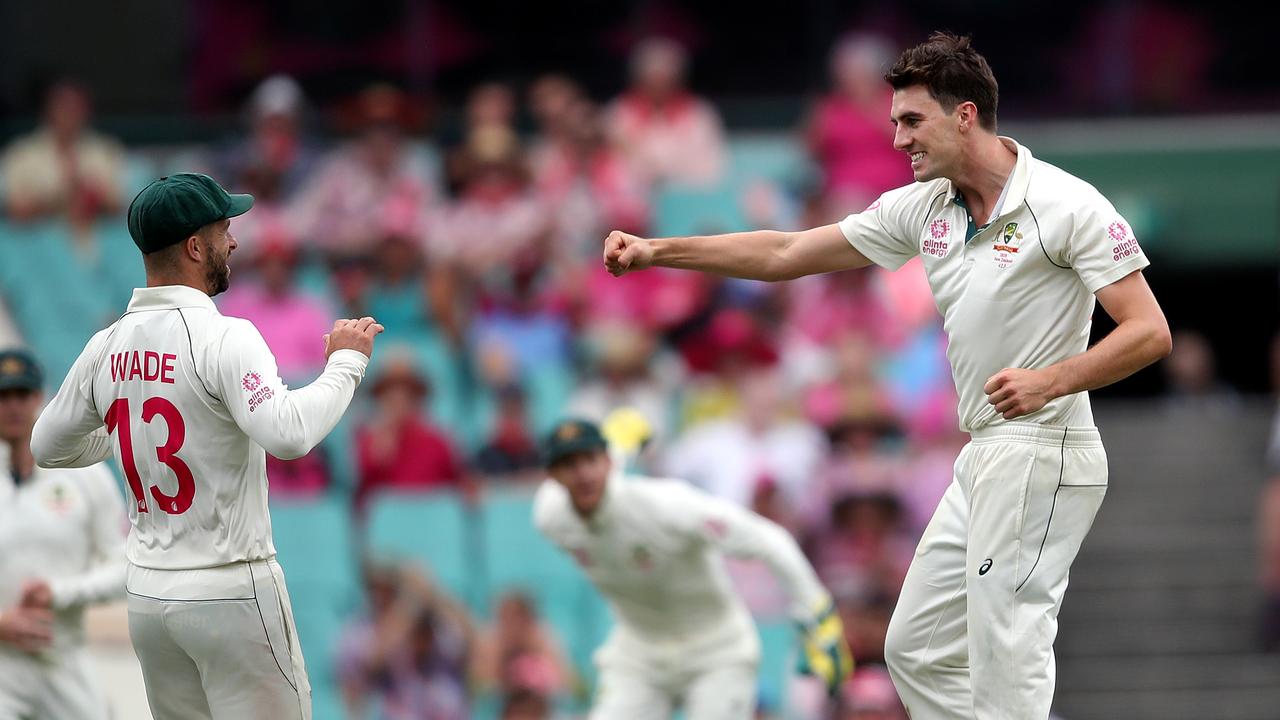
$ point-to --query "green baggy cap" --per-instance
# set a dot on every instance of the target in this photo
(174, 207)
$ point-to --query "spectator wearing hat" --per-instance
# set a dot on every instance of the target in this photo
(341, 210)
(399, 449)
(496, 221)
(277, 156)
(64, 169)
(61, 550)
(272, 162)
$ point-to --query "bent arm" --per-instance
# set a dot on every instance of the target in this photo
(69, 432)
(1141, 337)
(741, 533)
(286, 423)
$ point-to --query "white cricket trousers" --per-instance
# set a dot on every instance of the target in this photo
(218, 643)
(972, 634)
(723, 693)
(55, 686)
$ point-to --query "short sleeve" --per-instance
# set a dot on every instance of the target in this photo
(1102, 248)
(882, 232)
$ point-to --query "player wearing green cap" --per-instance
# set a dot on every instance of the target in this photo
(655, 549)
(190, 402)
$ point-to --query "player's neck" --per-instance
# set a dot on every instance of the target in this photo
(169, 279)
(985, 171)
(22, 462)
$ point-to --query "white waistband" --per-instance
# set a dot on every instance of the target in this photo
(235, 581)
(1056, 435)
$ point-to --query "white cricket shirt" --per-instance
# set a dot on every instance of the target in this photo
(654, 550)
(66, 527)
(190, 400)
(1018, 293)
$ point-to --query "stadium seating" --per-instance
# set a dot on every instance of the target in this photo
(433, 530)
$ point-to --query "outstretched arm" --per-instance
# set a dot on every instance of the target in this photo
(1141, 337)
(757, 255)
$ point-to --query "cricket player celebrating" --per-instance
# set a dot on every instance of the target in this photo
(654, 549)
(61, 549)
(190, 402)
(1015, 251)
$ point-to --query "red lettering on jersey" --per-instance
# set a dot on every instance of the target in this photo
(150, 365)
(147, 365)
(119, 367)
(166, 367)
(135, 368)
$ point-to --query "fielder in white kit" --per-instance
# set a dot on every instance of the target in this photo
(61, 550)
(654, 550)
(190, 402)
(1015, 251)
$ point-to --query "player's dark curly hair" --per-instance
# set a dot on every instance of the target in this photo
(953, 72)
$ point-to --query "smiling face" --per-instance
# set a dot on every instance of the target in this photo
(929, 134)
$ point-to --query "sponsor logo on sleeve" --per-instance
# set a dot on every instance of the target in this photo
(1125, 244)
(258, 393)
(873, 206)
(716, 527)
(937, 243)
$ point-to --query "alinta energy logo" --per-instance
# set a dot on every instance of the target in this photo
(252, 383)
(1126, 245)
(937, 244)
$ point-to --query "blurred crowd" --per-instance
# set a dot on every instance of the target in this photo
(823, 404)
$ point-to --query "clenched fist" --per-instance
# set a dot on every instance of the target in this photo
(624, 253)
(1016, 392)
(352, 335)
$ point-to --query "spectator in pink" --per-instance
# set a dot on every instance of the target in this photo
(64, 169)
(341, 208)
(520, 652)
(290, 319)
(849, 134)
(588, 183)
(869, 695)
(668, 133)
(497, 221)
(399, 449)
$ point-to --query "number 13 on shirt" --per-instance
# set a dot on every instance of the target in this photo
(118, 421)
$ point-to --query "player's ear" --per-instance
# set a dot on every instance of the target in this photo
(194, 248)
(968, 115)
